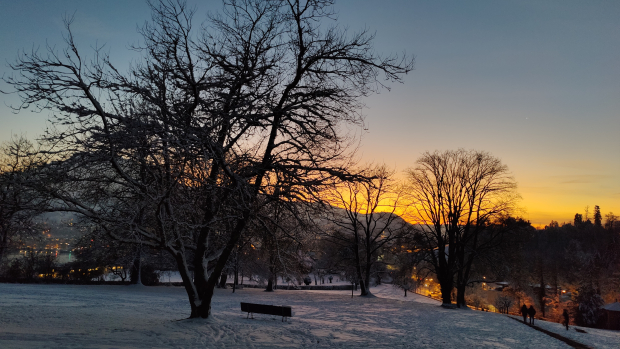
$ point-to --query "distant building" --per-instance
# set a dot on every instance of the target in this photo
(613, 316)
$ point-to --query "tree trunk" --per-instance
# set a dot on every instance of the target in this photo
(236, 274)
(541, 291)
(461, 287)
(358, 267)
(223, 279)
(137, 265)
(460, 297)
(201, 304)
(367, 279)
(363, 288)
(3, 243)
(446, 283)
(363, 284)
(188, 283)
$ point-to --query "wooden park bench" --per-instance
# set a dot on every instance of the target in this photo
(251, 308)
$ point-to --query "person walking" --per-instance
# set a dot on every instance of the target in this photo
(565, 315)
(524, 313)
(531, 312)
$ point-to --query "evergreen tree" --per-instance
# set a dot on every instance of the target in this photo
(578, 219)
(588, 311)
(597, 216)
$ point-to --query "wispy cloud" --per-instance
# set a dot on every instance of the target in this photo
(582, 164)
(534, 189)
(578, 179)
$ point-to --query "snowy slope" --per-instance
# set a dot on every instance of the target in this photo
(71, 316)
(595, 338)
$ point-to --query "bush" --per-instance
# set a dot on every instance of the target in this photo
(15, 270)
(475, 301)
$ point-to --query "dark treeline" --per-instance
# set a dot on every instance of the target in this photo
(563, 266)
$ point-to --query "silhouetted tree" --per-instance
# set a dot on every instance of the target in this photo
(503, 304)
(597, 216)
(365, 220)
(610, 220)
(279, 235)
(20, 203)
(588, 310)
(578, 221)
(457, 194)
(175, 153)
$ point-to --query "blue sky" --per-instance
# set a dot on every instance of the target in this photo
(535, 83)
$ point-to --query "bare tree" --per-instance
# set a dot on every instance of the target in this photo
(19, 203)
(175, 153)
(610, 220)
(365, 220)
(279, 235)
(456, 194)
(503, 304)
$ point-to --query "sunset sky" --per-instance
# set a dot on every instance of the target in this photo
(535, 83)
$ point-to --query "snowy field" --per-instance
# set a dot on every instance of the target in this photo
(73, 316)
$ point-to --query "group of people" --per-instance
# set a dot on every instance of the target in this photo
(525, 311)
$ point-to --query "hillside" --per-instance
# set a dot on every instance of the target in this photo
(55, 316)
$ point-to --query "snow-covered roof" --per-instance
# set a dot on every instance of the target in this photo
(612, 307)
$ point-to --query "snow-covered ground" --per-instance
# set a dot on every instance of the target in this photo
(593, 337)
(73, 316)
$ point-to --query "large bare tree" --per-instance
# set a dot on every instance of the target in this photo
(175, 153)
(456, 194)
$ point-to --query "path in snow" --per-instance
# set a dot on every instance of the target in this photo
(568, 341)
(593, 338)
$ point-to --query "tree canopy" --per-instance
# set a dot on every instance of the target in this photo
(174, 154)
